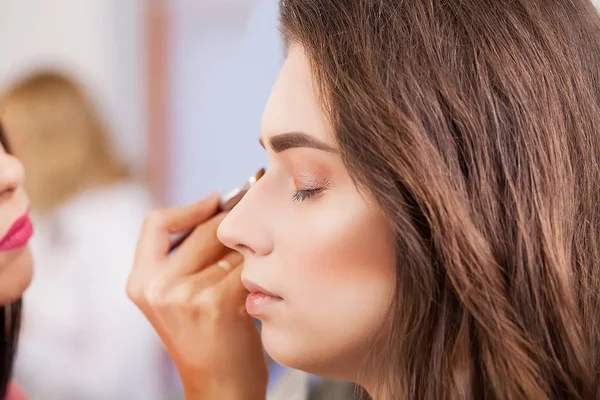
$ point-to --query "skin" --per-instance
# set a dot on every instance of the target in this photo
(311, 238)
(16, 266)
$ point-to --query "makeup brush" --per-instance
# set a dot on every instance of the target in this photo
(227, 203)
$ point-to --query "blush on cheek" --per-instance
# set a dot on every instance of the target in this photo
(339, 271)
(356, 248)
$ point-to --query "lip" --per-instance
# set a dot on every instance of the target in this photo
(254, 288)
(259, 299)
(18, 234)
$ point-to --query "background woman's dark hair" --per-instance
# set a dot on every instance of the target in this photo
(10, 318)
(476, 125)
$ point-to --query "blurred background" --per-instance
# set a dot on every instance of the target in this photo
(152, 103)
(180, 83)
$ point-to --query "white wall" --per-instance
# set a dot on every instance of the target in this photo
(101, 41)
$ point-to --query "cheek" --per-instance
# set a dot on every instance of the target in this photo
(336, 271)
(339, 267)
(16, 271)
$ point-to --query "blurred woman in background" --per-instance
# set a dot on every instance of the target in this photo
(81, 338)
(16, 265)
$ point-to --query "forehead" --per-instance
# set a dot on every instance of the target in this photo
(294, 104)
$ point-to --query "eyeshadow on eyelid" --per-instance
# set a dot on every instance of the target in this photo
(308, 181)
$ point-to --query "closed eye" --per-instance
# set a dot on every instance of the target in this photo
(301, 195)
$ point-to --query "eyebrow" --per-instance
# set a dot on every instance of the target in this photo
(293, 140)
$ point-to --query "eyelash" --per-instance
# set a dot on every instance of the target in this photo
(301, 195)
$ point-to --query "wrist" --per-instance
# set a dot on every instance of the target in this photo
(221, 391)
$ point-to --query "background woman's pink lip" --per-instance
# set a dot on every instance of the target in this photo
(19, 233)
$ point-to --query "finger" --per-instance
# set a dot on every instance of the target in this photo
(200, 249)
(232, 286)
(209, 294)
(220, 269)
(213, 274)
(180, 219)
(154, 241)
(209, 277)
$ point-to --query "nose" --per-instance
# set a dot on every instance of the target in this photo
(245, 228)
(11, 173)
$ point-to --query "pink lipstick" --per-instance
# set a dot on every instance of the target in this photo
(18, 234)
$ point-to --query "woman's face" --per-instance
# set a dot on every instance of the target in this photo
(16, 265)
(319, 254)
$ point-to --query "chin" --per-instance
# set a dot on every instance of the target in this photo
(312, 355)
(16, 272)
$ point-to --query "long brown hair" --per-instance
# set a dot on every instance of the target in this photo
(59, 135)
(476, 125)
